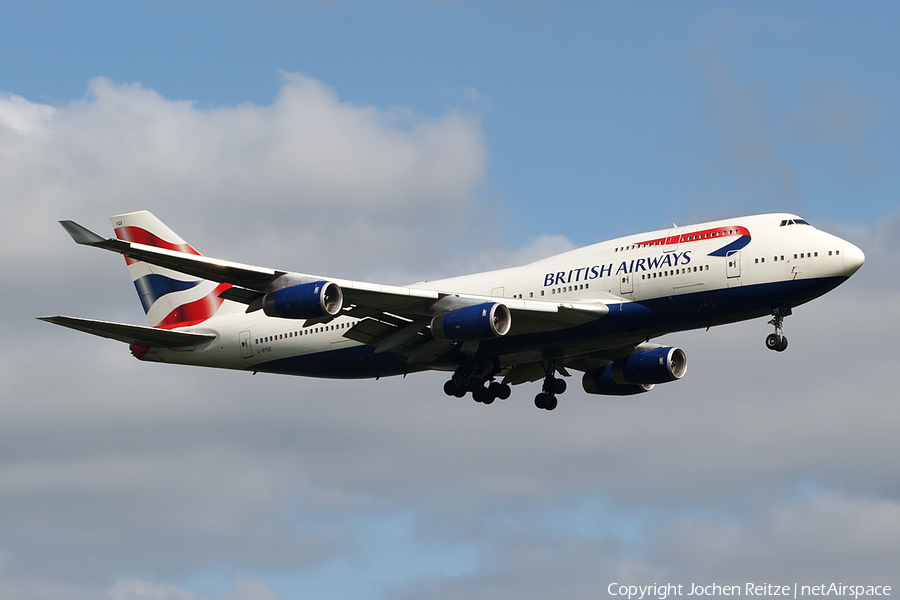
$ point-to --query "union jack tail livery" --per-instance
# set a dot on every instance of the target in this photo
(170, 299)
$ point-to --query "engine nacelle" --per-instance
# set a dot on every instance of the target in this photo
(473, 323)
(652, 366)
(637, 372)
(600, 381)
(304, 301)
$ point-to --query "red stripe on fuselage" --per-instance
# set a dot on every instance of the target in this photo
(696, 236)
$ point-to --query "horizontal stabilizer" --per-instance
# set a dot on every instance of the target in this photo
(139, 335)
(254, 278)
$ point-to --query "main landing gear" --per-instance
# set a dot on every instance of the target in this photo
(552, 386)
(478, 379)
(777, 341)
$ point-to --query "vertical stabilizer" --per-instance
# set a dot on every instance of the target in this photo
(170, 299)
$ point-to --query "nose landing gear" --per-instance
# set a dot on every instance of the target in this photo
(778, 341)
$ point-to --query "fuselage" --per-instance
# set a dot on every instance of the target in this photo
(653, 283)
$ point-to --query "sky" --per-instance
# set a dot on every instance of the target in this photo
(399, 141)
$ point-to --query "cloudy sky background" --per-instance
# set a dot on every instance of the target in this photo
(413, 140)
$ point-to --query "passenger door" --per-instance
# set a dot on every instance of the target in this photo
(246, 350)
(733, 264)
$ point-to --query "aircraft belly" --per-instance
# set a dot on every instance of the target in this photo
(356, 362)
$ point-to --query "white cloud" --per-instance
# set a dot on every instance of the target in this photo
(325, 171)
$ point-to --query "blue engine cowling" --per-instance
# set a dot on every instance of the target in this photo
(304, 301)
(637, 372)
(600, 381)
(473, 323)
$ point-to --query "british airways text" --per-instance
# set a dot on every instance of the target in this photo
(672, 259)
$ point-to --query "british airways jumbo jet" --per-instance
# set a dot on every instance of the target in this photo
(593, 310)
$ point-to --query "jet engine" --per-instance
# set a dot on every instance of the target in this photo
(304, 301)
(637, 372)
(600, 381)
(473, 323)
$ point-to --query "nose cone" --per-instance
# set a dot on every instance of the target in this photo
(853, 258)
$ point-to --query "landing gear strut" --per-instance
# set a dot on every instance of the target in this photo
(478, 379)
(777, 341)
(552, 386)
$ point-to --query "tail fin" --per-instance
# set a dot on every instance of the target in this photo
(170, 299)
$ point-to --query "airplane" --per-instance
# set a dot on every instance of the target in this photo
(592, 310)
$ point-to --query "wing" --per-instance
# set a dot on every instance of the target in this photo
(391, 318)
(138, 335)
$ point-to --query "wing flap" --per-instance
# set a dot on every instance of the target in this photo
(139, 335)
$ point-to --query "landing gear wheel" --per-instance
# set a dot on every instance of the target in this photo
(560, 386)
(776, 342)
(499, 390)
(482, 395)
(449, 388)
(545, 401)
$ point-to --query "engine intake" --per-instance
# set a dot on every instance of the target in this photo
(304, 301)
(473, 323)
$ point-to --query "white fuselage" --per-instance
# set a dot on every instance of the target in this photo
(737, 268)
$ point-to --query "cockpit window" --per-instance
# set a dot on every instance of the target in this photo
(793, 222)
